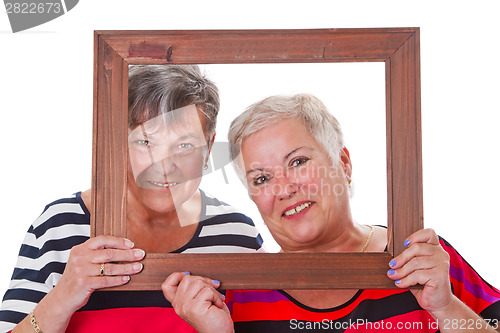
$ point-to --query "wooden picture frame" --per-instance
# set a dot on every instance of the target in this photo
(398, 48)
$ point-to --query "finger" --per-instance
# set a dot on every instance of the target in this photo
(120, 269)
(209, 295)
(192, 284)
(226, 309)
(170, 285)
(422, 277)
(101, 242)
(416, 250)
(219, 302)
(99, 282)
(415, 264)
(189, 290)
(110, 255)
(423, 236)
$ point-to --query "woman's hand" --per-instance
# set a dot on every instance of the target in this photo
(82, 274)
(426, 263)
(196, 300)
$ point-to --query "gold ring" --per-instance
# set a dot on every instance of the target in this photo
(101, 272)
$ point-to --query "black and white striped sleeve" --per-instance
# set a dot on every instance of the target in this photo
(42, 258)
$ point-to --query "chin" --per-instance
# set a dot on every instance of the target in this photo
(161, 207)
(303, 240)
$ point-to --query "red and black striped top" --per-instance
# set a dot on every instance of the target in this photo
(368, 310)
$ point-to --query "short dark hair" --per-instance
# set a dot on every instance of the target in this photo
(156, 89)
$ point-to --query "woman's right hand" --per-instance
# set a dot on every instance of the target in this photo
(82, 276)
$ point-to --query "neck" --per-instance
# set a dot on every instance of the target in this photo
(164, 231)
(143, 215)
(182, 214)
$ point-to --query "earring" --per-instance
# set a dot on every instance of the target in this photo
(205, 167)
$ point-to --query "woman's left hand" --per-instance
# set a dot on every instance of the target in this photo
(196, 300)
(426, 263)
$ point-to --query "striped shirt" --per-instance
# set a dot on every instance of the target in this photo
(369, 310)
(66, 223)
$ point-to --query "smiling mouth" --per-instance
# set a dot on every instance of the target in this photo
(297, 209)
(164, 185)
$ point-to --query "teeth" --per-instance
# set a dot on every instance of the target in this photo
(297, 209)
(163, 184)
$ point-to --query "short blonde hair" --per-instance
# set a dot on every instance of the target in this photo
(307, 108)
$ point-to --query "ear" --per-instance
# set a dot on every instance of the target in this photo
(210, 145)
(345, 161)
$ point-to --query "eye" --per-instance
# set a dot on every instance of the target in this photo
(145, 143)
(185, 146)
(260, 180)
(299, 161)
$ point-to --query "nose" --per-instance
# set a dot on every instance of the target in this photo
(285, 187)
(164, 166)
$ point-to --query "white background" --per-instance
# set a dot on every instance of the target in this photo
(46, 77)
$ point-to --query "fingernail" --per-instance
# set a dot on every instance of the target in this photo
(139, 254)
(407, 242)
(129, 243)
(186, 273)
(392, 263)
(216, 281)
(223, 296)
(391, 272)
(397, 281)
(125, 278)
(137, 266)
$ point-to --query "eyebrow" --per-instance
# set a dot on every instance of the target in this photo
(189, 136)
(185, 136)
(294, 151)
(284, 158)
(254, 170)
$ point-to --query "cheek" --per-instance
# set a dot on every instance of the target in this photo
(138, 162)
(317, 181)
(263, 200)
(192, 167)
(310, 182)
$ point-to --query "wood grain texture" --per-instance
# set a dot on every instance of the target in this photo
(405, 146)
(397, 47)
(110, 144)
(257, 46)
(270, 271)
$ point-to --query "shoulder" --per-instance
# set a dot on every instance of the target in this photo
(219, 211)
(60, 213)
(456, 259)
(44, 252)
(214, 206)
(469, 286)
(63, 224)
(223, 229)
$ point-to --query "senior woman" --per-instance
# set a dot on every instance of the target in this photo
(290, 153)
(54, 288)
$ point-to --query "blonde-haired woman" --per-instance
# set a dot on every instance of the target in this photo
(290, 154)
